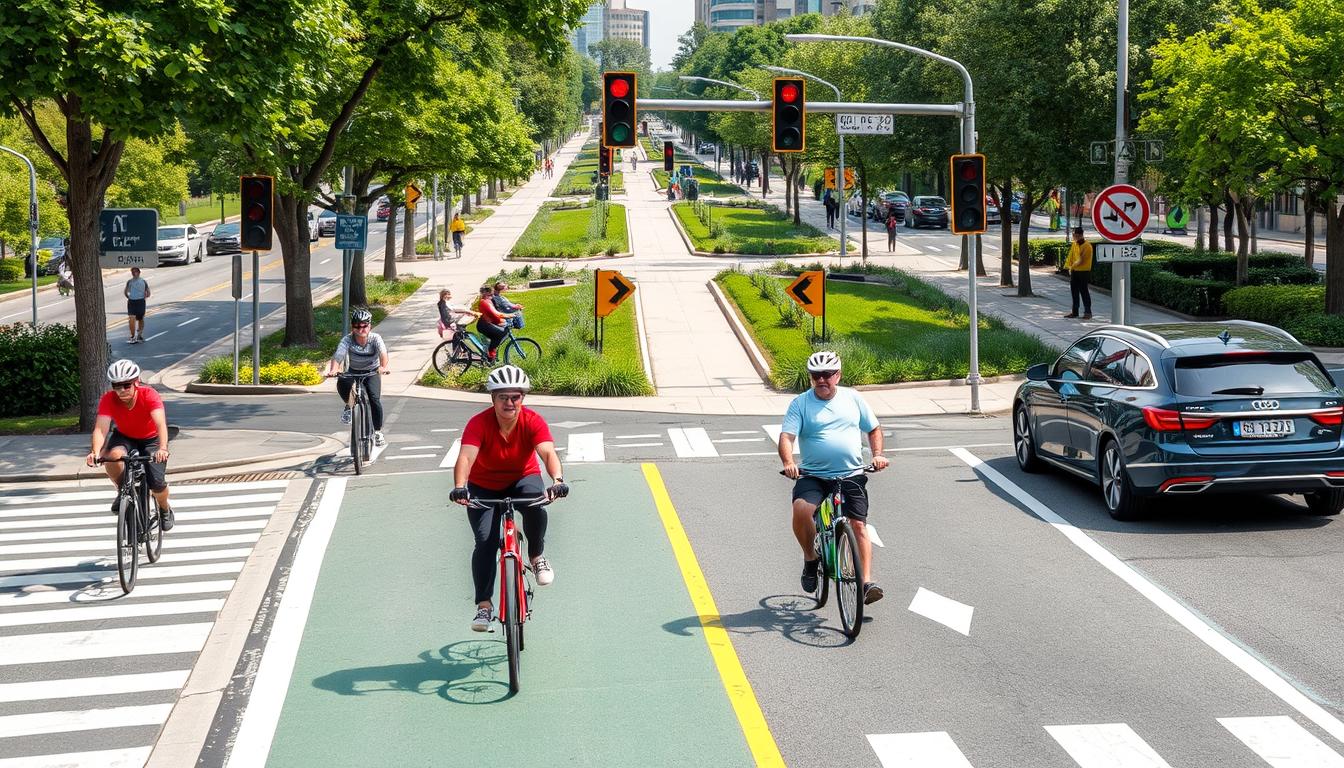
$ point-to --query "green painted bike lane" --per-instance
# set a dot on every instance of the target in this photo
(388, 671)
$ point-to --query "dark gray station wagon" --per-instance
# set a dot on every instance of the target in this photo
(1186, 408)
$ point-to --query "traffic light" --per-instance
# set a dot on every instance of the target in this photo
(604, 161)
(968, 194)
(789, 115)
(618, 109)
(669, 156)
(258, 208)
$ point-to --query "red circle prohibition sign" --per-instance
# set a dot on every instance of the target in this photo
(1120, 213)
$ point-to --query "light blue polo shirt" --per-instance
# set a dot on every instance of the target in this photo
(830, 432)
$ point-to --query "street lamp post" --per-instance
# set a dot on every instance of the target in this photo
(967, 146)
(32, 221)
(840, 180)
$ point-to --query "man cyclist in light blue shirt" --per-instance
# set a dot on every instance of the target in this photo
(828, 423)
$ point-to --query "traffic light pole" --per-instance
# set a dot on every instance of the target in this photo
(256, 318)
(1120, 286)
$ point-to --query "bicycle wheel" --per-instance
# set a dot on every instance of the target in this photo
(848, 579)
(522, 348)
(356, 436)
(513, 622)
(152, 527)
(450, 358)
(822, 592)
(128, 548)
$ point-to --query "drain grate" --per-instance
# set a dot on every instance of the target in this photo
(250, 477)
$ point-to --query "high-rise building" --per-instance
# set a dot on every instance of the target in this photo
(729, 15)
(610, 19)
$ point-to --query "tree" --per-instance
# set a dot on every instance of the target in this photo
(151, 174)
(617, 55)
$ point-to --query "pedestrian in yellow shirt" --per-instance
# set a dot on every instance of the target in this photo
(1079, 264)
(458, 227)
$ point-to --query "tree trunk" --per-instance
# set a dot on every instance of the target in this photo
(797, 188)
(408, 236)
(466, 202)
(291, 229)
(1006, 232)
(1228, 221)
(863, 218)
(478, 194)
(1243, 241)
(493, 192)
(1213, 229)
(1023, 247)
(390, 238)
(1309, 228)
(1334, 258)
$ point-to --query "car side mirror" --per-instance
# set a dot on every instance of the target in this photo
(1038, 372)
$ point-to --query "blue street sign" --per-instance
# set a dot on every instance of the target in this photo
(128, 237)
(351, 232)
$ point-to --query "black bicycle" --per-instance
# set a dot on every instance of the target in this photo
(465, 349)
(361, 418)
(137, 519)
(838, 548)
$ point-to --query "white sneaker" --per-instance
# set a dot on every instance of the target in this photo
(481, 622)
(345, 416)
(378, 438)
(542, 570)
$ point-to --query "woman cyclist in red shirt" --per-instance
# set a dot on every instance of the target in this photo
(498, 459)
(137, 411)
(491, 322)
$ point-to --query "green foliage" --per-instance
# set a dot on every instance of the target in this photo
(1298, 309)
(749, 229)
(521, 275)
(567, 232)
(39, 369)
(11, 270)
(219, 370)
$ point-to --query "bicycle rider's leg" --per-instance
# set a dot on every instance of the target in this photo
(373, 389)
(485, 529)
(535, 519)
(158, 483)
(856, 509)
(807, 494)
(343, 387)
(114, 448)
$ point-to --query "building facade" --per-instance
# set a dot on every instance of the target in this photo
(610, 19)
(729, 15)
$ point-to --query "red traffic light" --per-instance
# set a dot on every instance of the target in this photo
(969, 172)
(788, 93)
(619, 88)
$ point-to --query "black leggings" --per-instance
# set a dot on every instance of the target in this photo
(373, 393)
(495, 333)
(1078, 289)
(485, 527)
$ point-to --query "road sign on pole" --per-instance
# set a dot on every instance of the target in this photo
(865, 125)
(809, 290)
(1120, 213)
(351, 231)
(613, 289)
(1113, 252)
(412, 196)
(128, 237)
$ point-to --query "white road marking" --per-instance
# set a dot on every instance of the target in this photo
(638, 445)
(585, 446)
(417, 447)
(449, 429)
(155, 336)
(324, 261)
(188, 322)
(110, 591)
(944, 447)
(691, 442)
(103, 517)
(412, 456)
(739, 431)
(574, 424)
(774, 430)
(100, 545)
(101, 506)
(1229, 649)
(934, 749)
(97, 530)
(376, 452)
(47, 647)
(83, 562)
(178, 491)
(110, 611)
(253, 741)
(635, 437)
(94, 577)
(1282, 743)
(82, 720)
(757, 453)
(1107, 745)
(873, 537)
(738, 440)
(450, 458)
(943, 610)
(75, 687)
(134, 757)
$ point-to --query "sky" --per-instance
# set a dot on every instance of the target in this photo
(668, 20)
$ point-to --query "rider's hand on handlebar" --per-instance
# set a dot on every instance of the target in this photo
(384, 370)
(161, 456)
(91, 459)
(790, 471)
(459, 495)
(557, 491)
(880, 463)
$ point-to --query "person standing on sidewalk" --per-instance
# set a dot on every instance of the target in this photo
(136, 292)
(892, 224)
(1079, 264)
(828, 200)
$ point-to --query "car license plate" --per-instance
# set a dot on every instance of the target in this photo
(1264, 428)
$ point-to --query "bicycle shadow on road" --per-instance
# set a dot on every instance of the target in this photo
(793, 616)
(459, 672)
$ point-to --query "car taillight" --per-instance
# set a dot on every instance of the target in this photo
(1332, 417)
(1163, 420)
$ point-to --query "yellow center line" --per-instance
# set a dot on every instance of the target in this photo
(757, 732)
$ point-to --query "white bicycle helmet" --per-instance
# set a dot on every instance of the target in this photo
(121, 371)
(508, 377)
(825, 360)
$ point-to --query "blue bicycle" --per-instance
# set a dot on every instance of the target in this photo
(465, 349)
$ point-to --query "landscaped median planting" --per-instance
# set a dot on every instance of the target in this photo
(574, 231)
(578, 178)
(561, 320)
(748, 227)
(901, 329)
(301, 365)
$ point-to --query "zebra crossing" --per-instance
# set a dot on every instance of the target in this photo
(88, 676)
(1279, 741)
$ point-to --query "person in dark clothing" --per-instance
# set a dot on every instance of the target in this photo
(1079, 264)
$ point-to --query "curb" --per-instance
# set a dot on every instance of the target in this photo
(26, 293)
(754, 353)
(199, 388)
(642, 330)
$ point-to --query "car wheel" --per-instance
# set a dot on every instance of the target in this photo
(1325, 502)
(1023, 445)
(1116, 490)
(200, 254)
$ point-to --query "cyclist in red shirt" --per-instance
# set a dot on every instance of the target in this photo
(491, 321)
(137, 411)
(498, 458)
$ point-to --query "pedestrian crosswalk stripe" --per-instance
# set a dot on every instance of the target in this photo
(103, 506)
(110, 590)
(1106, 745)
(774, 430)
(84, 720)
(412, 456)
(105, 543)
(192, 489)
(134, 757)
(1282, 743)
(107, 528)
(93, 577)
(47, 647)
(691, 442)
(934, 749)
(450, 458)
(109, 560)
(585, 446)
(104, 517)
(103, 685)
(110, 611)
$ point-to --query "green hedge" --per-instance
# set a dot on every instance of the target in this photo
(39, 369)
(11, 270)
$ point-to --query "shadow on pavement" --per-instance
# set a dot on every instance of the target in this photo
(793, 616)
(454, 673)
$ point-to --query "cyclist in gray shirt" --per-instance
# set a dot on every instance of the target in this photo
(361, 351)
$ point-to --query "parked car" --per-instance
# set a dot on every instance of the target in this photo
(224, 239)
(314, 231)
(180, 243)
(1183, 409)
(326, 224)
(384, 211)
(1015, 207)
(57, 246)
(889, 201)
(992, 215)
(928, 210)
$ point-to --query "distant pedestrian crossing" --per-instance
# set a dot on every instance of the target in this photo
(88, 675)
(1279, 741)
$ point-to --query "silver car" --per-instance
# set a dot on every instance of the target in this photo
(180, 244)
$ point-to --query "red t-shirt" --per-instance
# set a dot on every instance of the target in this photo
(135, 421)
(489, 314)
(503, 462)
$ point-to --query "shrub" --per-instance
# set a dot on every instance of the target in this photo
(1048, 252)
(219, 370)
(1318, 328)
(39, 369)
(1274, 304)
(11, 270)
(1218, 266)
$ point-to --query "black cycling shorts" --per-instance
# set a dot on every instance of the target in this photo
(153, 470)
(853, 491)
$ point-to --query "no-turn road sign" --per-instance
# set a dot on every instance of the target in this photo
(1120, 213)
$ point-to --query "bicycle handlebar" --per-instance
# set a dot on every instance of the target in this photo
(136, 459)
(866, 470)
(357, 374)
(477, 502)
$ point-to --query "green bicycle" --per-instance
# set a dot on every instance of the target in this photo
(838, 547)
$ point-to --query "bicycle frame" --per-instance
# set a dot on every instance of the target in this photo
(511, 556)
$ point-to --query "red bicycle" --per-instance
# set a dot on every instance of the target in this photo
(515, 577)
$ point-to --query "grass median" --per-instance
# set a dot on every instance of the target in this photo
(561, 320)
(907, 330)
(749, 229)
(27, 285)
(578, 178)
(573, 231)
(301, 365)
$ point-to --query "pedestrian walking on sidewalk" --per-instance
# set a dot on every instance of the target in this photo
(1079, 264)
(829, 201)
(891, 230)
(136, 293)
